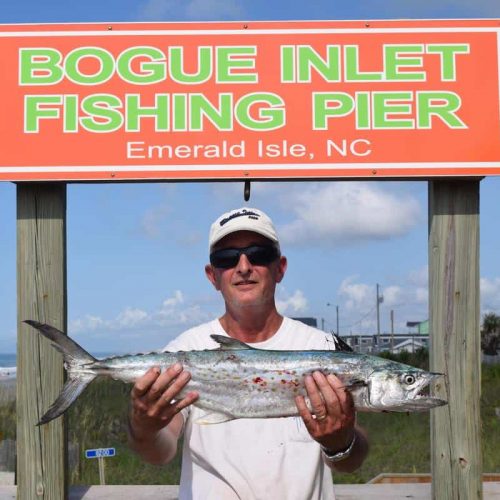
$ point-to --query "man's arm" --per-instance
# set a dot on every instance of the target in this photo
(331, 421)
(155, 423)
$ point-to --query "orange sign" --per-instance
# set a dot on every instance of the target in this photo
(245, 101)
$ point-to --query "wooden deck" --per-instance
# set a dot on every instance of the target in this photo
(343, 492)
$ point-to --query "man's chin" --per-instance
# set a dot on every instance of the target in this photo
(248, 299)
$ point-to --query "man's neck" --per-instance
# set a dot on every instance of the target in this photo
(248, 326)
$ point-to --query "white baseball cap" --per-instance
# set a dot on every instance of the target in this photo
(242, 219)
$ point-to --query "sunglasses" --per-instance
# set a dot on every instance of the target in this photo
(257, 255)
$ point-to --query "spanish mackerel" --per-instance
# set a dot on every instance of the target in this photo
(239, 381)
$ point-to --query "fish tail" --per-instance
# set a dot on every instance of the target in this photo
(73, 354)
(68, 395)
(74, 357)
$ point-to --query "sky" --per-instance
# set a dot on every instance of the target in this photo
(136, 252)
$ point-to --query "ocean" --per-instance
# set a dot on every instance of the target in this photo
(7, 360)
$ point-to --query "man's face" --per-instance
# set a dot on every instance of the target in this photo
(246, 284)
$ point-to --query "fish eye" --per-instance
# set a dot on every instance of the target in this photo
(409, 379)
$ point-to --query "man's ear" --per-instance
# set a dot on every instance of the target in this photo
(281, 269)
(210, 273)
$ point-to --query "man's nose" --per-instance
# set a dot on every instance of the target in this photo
(244, 265)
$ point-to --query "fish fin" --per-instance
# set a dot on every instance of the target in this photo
(341, 345)
(70, 392)
(73, 354)
(228, 343)
(213, 418)
(355, 383)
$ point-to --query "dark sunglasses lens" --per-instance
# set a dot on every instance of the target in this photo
(225, 258)
(257, 255)
(261, 256)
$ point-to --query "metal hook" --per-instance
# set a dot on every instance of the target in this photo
(246, 191)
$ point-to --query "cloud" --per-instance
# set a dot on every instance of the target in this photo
(358, 308)
(490, 294)
(191, 10)
(347, 212)
(131, 317)
(178, 298)
(291, 304)
(409, 299)
(392, 295)
(422, 295)
(175, 313)
(356, 296)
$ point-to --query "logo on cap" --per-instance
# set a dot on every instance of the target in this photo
(251, 215)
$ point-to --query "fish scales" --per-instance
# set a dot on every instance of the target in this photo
(239, 381)
(254, 383)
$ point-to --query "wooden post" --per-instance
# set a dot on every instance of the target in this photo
(102, 479)
(455, 338)
(41, 296)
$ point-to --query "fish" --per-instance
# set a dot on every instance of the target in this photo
(237, 380)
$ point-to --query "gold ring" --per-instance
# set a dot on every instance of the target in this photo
(320, 417)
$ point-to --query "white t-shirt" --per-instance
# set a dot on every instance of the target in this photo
(252, 458)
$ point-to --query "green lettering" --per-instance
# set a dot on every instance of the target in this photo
(103, 115)
(287, 64)
(77, 56)
(309, 59)
(271, 113)
(328, 105)
(151, 70)
(362, 110)
(40, 66)
(179, 105)
(221, 117)
(447, 55)
(394, 61)
(352, 72)
(71, 113)
(232, 58)
(384, 105)
(37, 107)
(442, 105)
(136, 112)
(176, 66)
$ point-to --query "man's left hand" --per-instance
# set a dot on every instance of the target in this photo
(332, 416)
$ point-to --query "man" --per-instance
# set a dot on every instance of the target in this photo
(275, 458)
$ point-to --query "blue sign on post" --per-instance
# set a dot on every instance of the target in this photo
(100, 453)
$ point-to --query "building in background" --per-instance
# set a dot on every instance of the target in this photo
(394, 343)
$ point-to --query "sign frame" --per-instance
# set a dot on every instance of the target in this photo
(347, 156)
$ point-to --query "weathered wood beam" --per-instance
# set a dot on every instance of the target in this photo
(455, 338)
(41, 296)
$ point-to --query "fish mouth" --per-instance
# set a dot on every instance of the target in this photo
(421, 403)
(422, 400)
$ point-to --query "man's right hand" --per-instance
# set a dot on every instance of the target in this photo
(155, 401)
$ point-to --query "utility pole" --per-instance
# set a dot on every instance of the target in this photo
(392, 330)
(380, 299)
(338, 328)
(337, 310)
